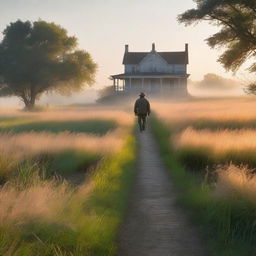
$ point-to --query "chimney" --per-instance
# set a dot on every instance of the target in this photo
(153, 47)
(186, 47)
(186, 52)
(126, 48)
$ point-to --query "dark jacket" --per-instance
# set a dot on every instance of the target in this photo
(142, 106)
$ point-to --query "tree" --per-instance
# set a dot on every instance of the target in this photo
(213, 81)
(40, 57)
(237, 19)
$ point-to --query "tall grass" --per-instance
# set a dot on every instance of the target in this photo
(239, 109)
(35, 143)
(93, 126)
(74, 127)
(198, 149)
(208, 113)
(48, 217)
(15, 148)
(223, 209)
(219, 141)
(236, 180)
(43, 214)
(120, 115)
(208, 132)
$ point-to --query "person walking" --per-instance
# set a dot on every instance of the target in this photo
(142, 110)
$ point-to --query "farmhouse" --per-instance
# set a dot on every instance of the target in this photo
(153, 72)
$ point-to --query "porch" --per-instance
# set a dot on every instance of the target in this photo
(153, 83)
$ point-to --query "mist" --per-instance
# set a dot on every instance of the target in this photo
(87, 96)
(213, 85)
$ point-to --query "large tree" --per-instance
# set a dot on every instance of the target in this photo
(237, 20)
(38, 57)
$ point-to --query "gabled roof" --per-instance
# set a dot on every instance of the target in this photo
(170, 57)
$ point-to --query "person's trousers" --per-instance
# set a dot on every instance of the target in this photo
(142, 121)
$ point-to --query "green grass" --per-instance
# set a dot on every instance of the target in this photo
(108, 201)
(85, 224)
(87, 126)
(6, 122)
(229, 224)
(78, 222)
(7, 119)
(71, 161)
(222, 125)
(199, 159)
(64, 162)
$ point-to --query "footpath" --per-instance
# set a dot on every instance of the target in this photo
(155, 225)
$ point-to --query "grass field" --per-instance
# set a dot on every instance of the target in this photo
(65, 174)
(210, 132)
(65, 177)
(209, 147)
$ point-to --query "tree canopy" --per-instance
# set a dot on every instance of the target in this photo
(40, 56)
(237, 19)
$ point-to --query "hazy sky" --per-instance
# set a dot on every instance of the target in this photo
(103, 27)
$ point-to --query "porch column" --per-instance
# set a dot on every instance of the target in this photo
(130, 80)
(161, 84)
(117, 84)
(114, 84)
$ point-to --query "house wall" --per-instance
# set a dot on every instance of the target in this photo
(155, 63)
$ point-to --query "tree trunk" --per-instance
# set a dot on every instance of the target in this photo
(29, 101)
(29, 105)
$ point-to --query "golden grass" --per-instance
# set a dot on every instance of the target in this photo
(218, 141)
(226, 198)
(237, 144)
(50, 198)
(239, 109)
(234, 180)
(50, 214)
(227, 129)
(118, 114)
(43, 201)
(16, 147)
(33, 143)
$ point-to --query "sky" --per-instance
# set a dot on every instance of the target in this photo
(103, 27)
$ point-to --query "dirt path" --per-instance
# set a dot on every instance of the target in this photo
(155, 225)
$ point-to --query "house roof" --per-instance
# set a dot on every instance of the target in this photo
(170, 57)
